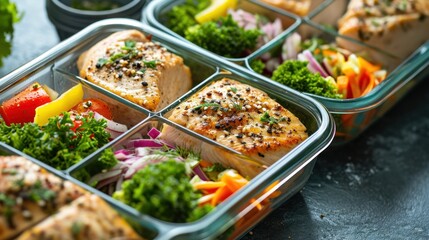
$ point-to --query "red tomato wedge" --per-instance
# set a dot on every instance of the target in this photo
(21, 108)
(94, 105)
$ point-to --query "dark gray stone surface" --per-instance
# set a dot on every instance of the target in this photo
(373, 188)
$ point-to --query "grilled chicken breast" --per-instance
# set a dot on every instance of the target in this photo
(396, 26)
(28, 194)
(130, 65)
(239, 117)
(299, 7)
(88, 217)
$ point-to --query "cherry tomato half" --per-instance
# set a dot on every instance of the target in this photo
(93, 105)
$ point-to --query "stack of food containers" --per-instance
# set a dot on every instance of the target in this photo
(352, 115)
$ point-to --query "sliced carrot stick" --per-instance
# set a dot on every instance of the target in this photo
(364, 64)
(354, 85)
(233, 180)
(342, 84)
(328, 52)
(203, 185)
(370, 85)
(221, 194)
(363, 80)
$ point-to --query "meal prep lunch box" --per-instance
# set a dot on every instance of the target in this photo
(244, 209)
(352, 116)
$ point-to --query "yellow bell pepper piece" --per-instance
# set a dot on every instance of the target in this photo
(217, 8)
(64, 103)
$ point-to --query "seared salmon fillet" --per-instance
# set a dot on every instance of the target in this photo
(299, 7)
(396, 26)
(130, 65)
(28, 194)
(88, 217)
(239, 117)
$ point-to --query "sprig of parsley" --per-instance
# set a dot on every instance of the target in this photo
(270, 119)
(8, 16)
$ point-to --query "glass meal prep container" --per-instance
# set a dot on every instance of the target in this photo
(245, 208)
(352, 116)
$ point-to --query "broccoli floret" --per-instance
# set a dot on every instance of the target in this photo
(163, 191)
(258, 66)
(223, 37)
(183, 16)
(295, 74)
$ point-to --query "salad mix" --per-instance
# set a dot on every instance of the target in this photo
(316, 67)
(220, 28)
(58, 130)
(167, 182)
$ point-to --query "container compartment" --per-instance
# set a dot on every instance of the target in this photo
(60, 83)
(370, 25)
(352, 116)
(305, 116)
(200, 68)
(156, 15)
(43, 194)
(328, 12)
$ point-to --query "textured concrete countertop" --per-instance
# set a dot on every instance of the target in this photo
(376, 187)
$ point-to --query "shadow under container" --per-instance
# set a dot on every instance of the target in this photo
(354, 116)
(236, 215)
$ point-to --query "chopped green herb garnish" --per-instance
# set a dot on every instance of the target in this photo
(234, 89)
(403, 5)
(375, 23)
(8, 204)
(269, 119)
(214, 106)
(116, 56)
(9, 171)
(19, 183)
(38, 193)
(237, 106)
(150, 64)
(101, 62)
(130, 44)
(76, 228)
